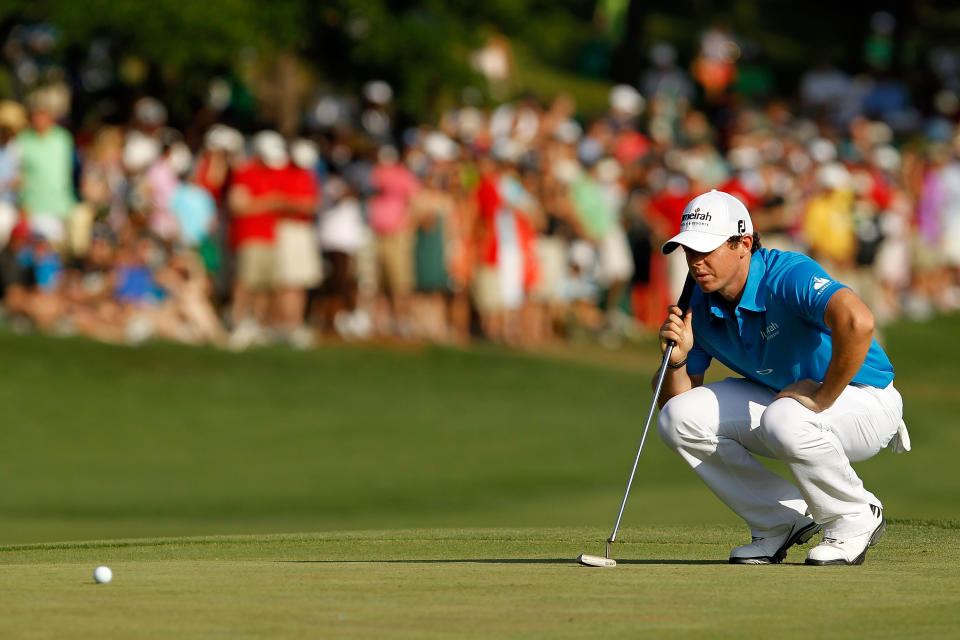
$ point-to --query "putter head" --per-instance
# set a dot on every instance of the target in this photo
(595, 561)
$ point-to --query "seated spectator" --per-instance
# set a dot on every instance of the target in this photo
(32, 278)
(185, 281)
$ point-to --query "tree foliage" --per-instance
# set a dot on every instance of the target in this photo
(423, 46)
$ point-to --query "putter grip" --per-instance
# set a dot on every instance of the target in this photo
(684, 301)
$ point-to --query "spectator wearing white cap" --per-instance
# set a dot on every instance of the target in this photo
(254, 207)
(342, 233)
(162, 179)
(297, 253)
(46, 167)
(222, 148)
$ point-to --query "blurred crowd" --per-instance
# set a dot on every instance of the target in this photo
(520, 223)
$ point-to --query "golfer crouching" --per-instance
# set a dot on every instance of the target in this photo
(817, 390)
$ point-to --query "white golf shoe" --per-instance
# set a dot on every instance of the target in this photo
(836, 549)
(773, 549)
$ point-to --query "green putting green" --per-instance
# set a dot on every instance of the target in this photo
(671, 582)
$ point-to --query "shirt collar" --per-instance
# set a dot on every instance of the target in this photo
(754, 291)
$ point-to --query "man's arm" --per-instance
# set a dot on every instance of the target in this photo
(851, 326)
(242, 202)
(297, 204)
(680, 330)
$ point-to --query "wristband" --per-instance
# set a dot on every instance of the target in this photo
(679, 365)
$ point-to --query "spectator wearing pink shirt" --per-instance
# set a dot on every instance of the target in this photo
(389, 209)
(163, 182)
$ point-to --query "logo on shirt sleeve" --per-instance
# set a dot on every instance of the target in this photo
(820, 283)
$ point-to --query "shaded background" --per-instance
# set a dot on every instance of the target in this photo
(272, 57)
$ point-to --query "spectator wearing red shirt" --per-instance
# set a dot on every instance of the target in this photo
(212, 170)
(254, 205)
(298, 256)
(486, 293)
(666, 209)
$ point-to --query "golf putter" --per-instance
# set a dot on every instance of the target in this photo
(607, 561)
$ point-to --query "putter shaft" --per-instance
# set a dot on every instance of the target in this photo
(653, 406)
(684, 304)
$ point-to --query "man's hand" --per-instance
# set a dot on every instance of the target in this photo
(680, 330)
(805, 392)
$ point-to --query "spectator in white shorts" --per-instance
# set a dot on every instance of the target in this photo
(46, 167)
(253, 204)
(297, 253)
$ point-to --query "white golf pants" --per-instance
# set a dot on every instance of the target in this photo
(717, 428)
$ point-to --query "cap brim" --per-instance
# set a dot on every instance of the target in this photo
(696, 240)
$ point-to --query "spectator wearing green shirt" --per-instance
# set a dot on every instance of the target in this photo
(46, 169)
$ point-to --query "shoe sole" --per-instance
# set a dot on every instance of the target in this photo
(874, 538)
(797, 537)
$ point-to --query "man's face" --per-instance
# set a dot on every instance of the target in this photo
(717, 270)
(41, 120)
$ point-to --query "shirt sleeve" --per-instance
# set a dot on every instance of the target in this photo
(806, 288)
(697, 360)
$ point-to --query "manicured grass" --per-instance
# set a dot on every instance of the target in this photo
(453, 487)
(105, 442)
(671, 582)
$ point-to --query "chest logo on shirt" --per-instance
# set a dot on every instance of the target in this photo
(771, 332)
(764, 372)
(820, 283)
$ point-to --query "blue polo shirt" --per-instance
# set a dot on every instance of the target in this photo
(776, 334)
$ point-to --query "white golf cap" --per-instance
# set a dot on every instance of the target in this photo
(271, 148)
(709, 220)
(304, 153)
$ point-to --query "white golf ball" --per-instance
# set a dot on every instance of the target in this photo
(102, 574)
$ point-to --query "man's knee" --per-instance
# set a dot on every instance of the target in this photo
(783, 426)
(683, 422)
